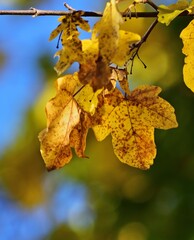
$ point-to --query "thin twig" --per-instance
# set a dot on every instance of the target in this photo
(78, 90)
(38, 12)
(136, 46)
(69, 7)
(146, 35)
(133, 6)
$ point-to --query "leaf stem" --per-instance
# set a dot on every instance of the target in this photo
(78, 90)
(136, 46)
(69, 7)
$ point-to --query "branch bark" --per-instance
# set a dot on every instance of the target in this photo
(37, 12)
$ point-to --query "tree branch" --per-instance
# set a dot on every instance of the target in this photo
(136, 46)
(37, 12)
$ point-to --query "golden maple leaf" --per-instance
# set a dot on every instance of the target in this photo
(63, 114)
(123, 52)
(107, 31)
(93, 68)
(131, 122)
(72, 47)
(68, 120)
(98, 52)
(79, 134)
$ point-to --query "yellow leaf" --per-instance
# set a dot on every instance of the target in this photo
(55, 156)
(121, 75)
(68, 26)
(104, 113)
(93, 68)
(169, 13)
(72, 47)
(65, 87)
(56, 32)
(154, 110)
(79, 134)
(134, 144)
(54, 140)
(187, 36)
(107, 31)
(131, 122)
(123, 52)
(63, 114)
(88, 99)
(68, 120)
(71, 52)
(90, 50)
(67, 117)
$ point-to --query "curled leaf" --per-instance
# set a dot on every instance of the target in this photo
(79, 134)
(121, 75)
(63, 114)
(68, 120)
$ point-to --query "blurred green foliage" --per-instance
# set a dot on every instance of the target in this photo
(127, 204)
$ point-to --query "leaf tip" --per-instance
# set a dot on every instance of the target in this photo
(51, 168)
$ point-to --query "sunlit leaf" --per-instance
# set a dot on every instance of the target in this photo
(63, 114)
(79, 134)
(123, 52)
(68, 26)
(88, 99)
(169, 13)
(65, 86)
(55, 148)
(93, 68)
(68, 120)
(107, 31)
(71, 52)
(72, 47)
(131, 122)
(97, 52)
(55, 156)
(187, 36)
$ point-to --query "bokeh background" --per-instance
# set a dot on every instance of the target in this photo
(97, 198)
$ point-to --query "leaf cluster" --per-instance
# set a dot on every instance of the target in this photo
(98, 96)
